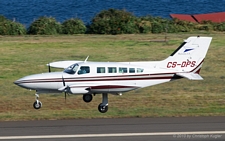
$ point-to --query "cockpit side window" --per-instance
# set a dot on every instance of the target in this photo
(72, 69)
(84, 70)
(139, 70)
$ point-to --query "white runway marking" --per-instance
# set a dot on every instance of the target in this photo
(174, 134)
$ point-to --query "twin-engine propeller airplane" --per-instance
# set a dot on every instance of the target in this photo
(90, 78)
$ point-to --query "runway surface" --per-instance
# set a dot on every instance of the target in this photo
(132, 129)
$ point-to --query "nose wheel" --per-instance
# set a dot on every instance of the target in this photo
(103, 107)
(37, 104)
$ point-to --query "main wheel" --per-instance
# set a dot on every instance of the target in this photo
(102, 108)
(87, 98)
(37, 105)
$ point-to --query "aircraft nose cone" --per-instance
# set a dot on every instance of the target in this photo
(25, 82)
(39, 81)
(17, 82)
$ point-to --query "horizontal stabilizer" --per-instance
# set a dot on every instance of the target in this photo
(190, 76)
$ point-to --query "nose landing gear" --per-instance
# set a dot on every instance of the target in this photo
(37, 104)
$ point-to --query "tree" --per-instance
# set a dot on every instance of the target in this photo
(113, 21)
(73, 26)
(45, 26)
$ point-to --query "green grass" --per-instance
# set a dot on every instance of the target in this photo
(25, 55)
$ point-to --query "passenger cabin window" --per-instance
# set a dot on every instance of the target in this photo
(84, 70)
(122, 70)
(100, 69)
(139, 70)
(131, 70)
(112, 70)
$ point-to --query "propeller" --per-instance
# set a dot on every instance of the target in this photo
(49, 68)
(64, 84)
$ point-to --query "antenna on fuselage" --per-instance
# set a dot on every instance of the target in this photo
(86, 59)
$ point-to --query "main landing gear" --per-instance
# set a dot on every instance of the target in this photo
(87, 97)
(37, 104)
(102, 107)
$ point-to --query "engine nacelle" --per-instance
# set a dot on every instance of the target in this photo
(78, 90)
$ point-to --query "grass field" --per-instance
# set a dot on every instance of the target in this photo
(26, 55)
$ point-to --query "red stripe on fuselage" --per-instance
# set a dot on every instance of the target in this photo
(104, 78)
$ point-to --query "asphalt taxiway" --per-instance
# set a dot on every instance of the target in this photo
(132, 129)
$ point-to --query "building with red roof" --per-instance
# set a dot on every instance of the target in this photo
(214, 17)
(183, 17)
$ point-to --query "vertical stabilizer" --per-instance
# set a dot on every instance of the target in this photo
(189, 56)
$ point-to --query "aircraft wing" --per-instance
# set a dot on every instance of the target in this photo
(62, 64)
(190, 76)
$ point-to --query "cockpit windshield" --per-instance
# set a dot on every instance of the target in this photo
(72, 69)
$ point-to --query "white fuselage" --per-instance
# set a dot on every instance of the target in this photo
(100, 77)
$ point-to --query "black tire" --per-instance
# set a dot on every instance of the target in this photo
(87, 98)
(102, 108)
(37, 105)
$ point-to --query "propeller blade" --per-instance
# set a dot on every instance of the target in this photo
(64, 84)
(65, 97)
(49, 68)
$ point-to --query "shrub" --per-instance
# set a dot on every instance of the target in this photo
(204, 25)
(183, 26)
(157, 27)
(113, 21)
(2, 18)
(144, 24)
(8, 27)
(45, 26)
(73, 26)
(219, 26)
